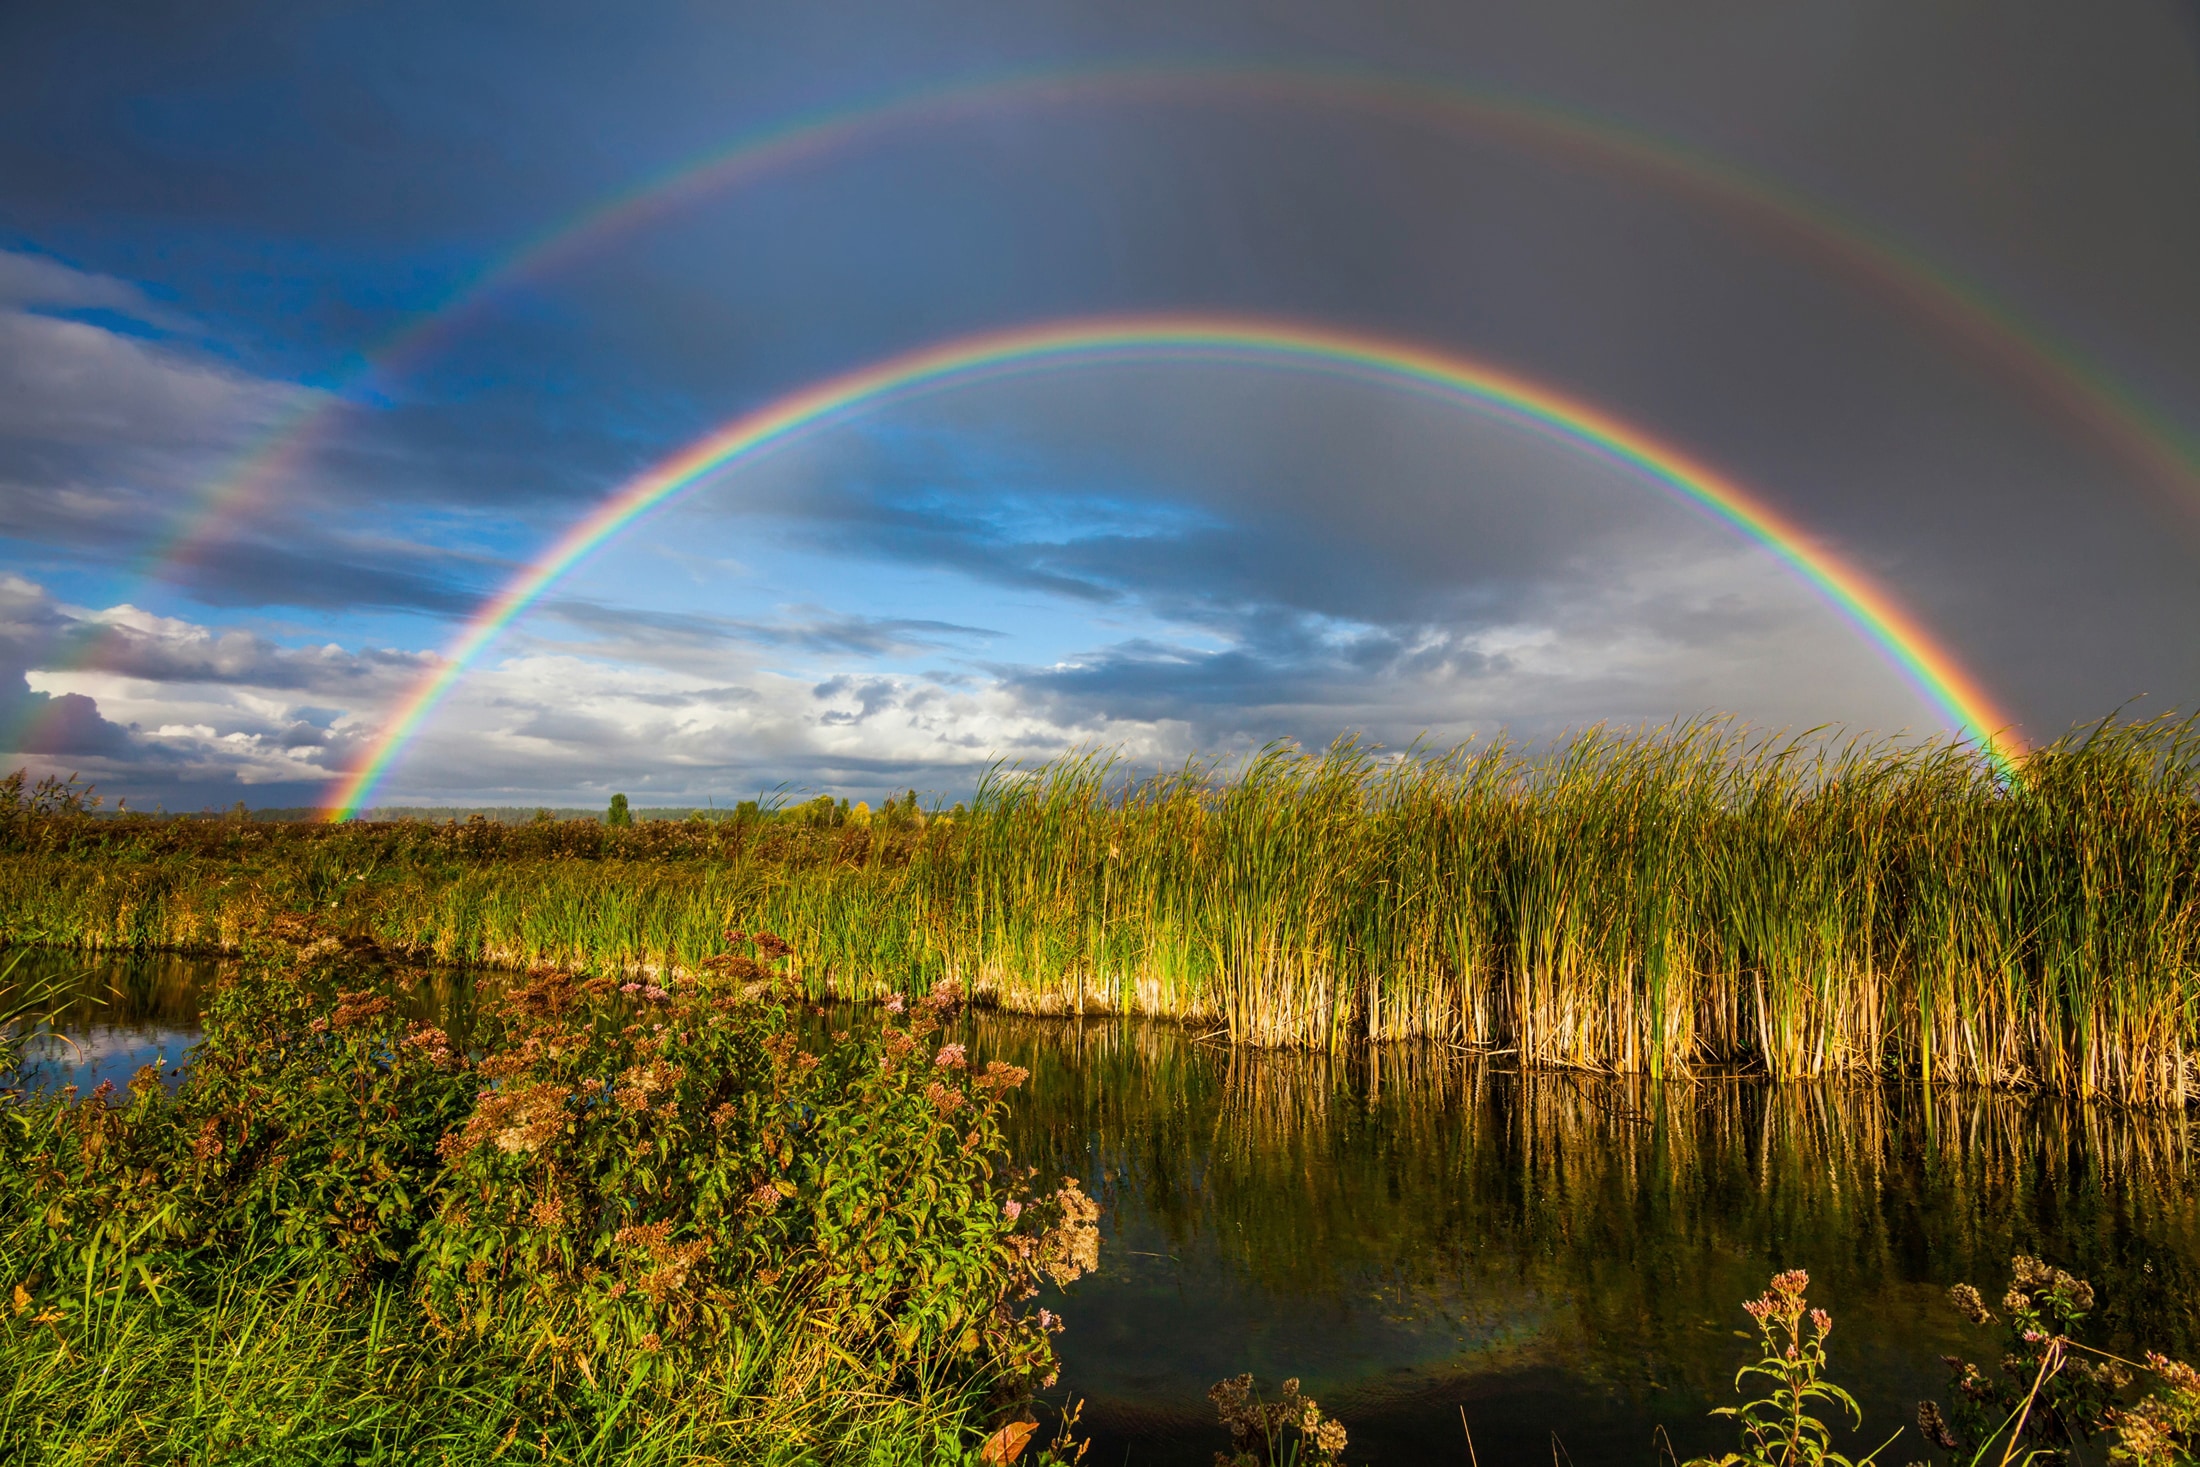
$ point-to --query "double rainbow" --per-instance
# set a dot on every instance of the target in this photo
(1913, 652)
(2056, 374)
(2052, 370)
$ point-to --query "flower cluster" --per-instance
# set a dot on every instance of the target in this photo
(1782, 1426)
(2046, 1391)
(1257, 1428)
(2164, 1429)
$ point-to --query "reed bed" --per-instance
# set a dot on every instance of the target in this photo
(1658, 903)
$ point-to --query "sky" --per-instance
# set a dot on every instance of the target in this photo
(320, 323)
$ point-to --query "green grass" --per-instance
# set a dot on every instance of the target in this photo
(261, 1375)
(1648, 903)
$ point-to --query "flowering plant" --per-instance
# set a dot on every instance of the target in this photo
(301, 1141)
(633, 1192)
(1781, 1429)
(639, 1182)
(1290, 1431)
(2050, 1392)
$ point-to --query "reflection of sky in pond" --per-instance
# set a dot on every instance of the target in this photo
(104, 1018)
(1549, 1254)
(110, 1053)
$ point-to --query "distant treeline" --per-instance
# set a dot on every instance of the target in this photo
(94, 806)
(1647, 903)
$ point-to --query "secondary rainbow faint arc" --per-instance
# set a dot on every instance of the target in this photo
(1914, 652)
(2064, 377)
(2059, 373)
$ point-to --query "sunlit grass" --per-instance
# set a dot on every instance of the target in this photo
(1638, 902)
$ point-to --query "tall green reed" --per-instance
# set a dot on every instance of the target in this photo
(1651, 902)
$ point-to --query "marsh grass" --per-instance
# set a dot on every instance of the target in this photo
(1653, 903)
(253, 1374)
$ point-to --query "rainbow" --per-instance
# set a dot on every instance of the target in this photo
(2057, 374)
(1907, 645)
(2059, 377)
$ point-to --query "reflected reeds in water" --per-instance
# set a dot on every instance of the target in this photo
(1411, 1231)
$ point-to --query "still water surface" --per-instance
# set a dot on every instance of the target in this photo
(1412, 1233)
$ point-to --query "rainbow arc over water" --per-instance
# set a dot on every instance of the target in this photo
(1876, 615)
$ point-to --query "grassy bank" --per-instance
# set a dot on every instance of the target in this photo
(625, 1224)
(1649, 904)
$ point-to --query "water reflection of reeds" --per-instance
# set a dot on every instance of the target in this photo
(1643, 1205)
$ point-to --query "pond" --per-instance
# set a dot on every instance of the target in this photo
(1423, 1238)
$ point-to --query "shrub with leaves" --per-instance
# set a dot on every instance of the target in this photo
(646, 1192)
(301, 1143)
(648, 1169)
(2048, 1392)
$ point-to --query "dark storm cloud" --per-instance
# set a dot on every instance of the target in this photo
(805, 628)
(213, 207)
(70, 724)
(33, 721)
(335, 573)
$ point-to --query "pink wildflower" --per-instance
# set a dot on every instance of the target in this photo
(949, 1057)
(630, 988)
(895, 1003)
(1013, 1208)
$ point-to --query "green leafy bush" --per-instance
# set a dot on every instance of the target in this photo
(301, 1144)
(648, 1168)
(642, 1199)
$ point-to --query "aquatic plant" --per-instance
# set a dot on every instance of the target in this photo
(2051, 1393)
(1656, 903)
(1290, 1431)
(2163, 1429)
(2043, 1401)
